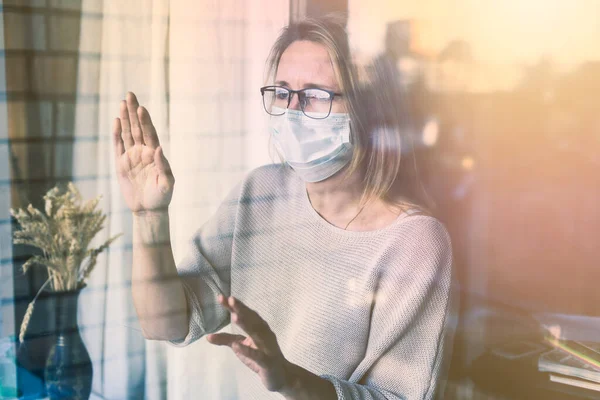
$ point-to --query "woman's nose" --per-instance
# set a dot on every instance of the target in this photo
(294, 102)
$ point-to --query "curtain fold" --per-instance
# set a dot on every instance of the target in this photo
(123, 47)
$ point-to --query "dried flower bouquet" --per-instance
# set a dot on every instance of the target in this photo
(63, 232)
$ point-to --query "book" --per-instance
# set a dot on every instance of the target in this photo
(582, 383)
(572, 359)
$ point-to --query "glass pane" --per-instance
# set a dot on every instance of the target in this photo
(503, 101)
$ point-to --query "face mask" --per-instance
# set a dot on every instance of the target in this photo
(315, 148)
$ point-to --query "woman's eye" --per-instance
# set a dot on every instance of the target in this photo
(316, 95)
(281, 95)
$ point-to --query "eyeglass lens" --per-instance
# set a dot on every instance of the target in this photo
(315, 103)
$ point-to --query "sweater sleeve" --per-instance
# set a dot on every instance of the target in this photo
(205, 271)
(410, 321)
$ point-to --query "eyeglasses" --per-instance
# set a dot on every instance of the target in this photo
(314, 103)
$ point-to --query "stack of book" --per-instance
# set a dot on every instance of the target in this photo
(573, 363)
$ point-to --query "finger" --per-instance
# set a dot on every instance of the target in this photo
(252, 323)
(125, 126)
(250, 354)
(148, 129)
(248, 314)
(224, 339)
(224, 302)
(245, 318)
(117, 140)
(132, 110)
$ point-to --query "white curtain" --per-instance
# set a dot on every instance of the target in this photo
(197, 66)
(217, 124)
(123, 47)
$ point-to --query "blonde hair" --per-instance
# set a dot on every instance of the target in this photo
(376, 114)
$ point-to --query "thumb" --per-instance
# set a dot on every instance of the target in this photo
(165, 179)
(161, 161)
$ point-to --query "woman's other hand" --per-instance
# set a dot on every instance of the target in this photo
(260, 352)
(143, 171)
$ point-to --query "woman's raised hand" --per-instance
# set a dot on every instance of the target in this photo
(143, 171)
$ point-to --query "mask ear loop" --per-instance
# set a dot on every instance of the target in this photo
(351, 133)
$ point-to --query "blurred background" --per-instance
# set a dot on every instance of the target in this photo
(503, 97)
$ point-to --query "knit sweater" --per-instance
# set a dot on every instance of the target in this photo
(368, 311)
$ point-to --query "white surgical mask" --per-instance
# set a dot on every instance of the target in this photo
(315, 148)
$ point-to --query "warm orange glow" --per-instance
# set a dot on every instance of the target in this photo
(503, 31)
(504, 36)
(468, 163)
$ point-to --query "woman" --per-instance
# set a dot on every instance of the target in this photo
(334, 286)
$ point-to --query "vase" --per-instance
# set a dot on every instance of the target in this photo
(68, 372)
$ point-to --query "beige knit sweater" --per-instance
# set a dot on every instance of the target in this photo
(367, 310)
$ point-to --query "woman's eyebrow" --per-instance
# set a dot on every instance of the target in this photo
(317, 86)
(308, 86)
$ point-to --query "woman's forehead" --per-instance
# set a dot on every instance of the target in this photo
(306, 64)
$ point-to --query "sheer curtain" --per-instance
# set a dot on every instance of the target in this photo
(197, 66)
(123, 47)
(217, 58)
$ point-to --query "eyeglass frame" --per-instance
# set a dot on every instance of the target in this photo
(331, 93)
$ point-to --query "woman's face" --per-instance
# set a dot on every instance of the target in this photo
(305, 64)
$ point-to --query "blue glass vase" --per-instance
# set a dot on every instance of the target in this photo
(68, 373)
